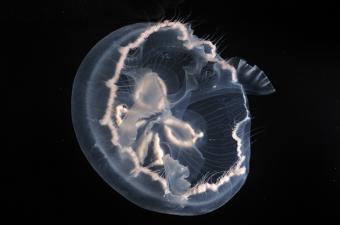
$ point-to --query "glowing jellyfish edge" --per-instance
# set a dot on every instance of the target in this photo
(171, 203)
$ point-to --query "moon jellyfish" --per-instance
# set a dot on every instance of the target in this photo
(163, 119)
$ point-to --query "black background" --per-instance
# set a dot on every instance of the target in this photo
(295, 135)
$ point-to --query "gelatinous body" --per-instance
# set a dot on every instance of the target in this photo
(163, 118)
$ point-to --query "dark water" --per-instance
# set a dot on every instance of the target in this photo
(295, 131)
